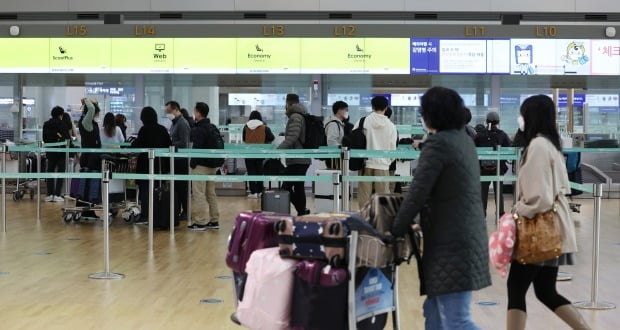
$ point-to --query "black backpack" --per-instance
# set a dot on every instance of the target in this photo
(315, 132)
(356, 140)
(488, 138)
(214, 141)
(50, 133)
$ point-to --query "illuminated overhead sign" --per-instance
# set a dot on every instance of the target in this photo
(24, 55)
(205, 55)
(311, 56)
(80, 55)
(264, 55)
(149, 55)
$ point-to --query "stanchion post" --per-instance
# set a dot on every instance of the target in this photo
(336, 191)
(346, 157)
(517, 167)
(594, 303)
(67, 180)
(105, 191)
(189, 190)
(173, 214)
(39, 145)
(4, 153)
(498, 189)
(151, 196)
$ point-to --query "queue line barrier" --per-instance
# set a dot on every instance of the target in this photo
(499, 154)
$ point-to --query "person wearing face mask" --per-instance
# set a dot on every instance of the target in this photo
(179, 133)
(543, 185)
(335, 129)
(446, 194)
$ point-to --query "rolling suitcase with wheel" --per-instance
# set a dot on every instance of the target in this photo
(276, 200)
(268, 292)
(161, 208)
(319, 297)
(253, 230)
(319, 236)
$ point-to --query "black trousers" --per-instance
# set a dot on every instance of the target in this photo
(181, 166)
(255, 167)
(544, 279)
(297, 189)
(55, 164)
(485, 195)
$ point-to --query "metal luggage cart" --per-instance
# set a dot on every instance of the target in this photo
(356, 314)
(119, 200)
(27, 186)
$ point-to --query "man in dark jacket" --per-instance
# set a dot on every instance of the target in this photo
(455, 260)
(203, 192)
(294, 136)
(492, 136)
(55, 130)
(151, 135)
(179, 133)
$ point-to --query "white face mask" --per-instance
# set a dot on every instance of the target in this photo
(170, 116)
(346, 115)
(521, 123)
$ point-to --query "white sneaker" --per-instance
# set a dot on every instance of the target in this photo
(253, 196)
(59, 199)
(49, 198)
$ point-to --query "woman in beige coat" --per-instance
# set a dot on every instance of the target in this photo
(543, 183)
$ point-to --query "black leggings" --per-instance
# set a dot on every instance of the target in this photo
(544, 278)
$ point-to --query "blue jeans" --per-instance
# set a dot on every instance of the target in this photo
(449, 312)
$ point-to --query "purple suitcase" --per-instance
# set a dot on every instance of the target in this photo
(319, 297)
(253, 230)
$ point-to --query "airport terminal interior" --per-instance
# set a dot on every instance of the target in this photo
(243, 56)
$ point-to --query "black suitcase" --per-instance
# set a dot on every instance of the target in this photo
(276, 200)
(161, 208)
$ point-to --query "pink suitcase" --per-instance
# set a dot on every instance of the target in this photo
(267, 299)
(253, 230)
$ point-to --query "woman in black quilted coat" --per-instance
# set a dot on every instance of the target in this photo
(447, 187)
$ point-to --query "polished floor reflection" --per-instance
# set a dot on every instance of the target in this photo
(184, 283)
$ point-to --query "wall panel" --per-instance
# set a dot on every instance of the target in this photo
(276, 5)
(110, 5)
(34, 5)
(447, 5)
(362, 5)
(190, 5)
(603, 6)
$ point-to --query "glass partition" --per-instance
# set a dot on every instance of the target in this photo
(232, 97)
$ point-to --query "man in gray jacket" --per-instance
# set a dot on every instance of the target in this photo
(294, 137)
(179, 133)
(334, 130)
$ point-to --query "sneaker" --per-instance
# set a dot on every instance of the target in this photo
(213, 225)
(142, 222)
(197, 227)
(59, 199)
(304, 212)
(49, 198)
(253, 196)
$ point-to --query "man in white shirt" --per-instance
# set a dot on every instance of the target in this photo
(380, 134)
